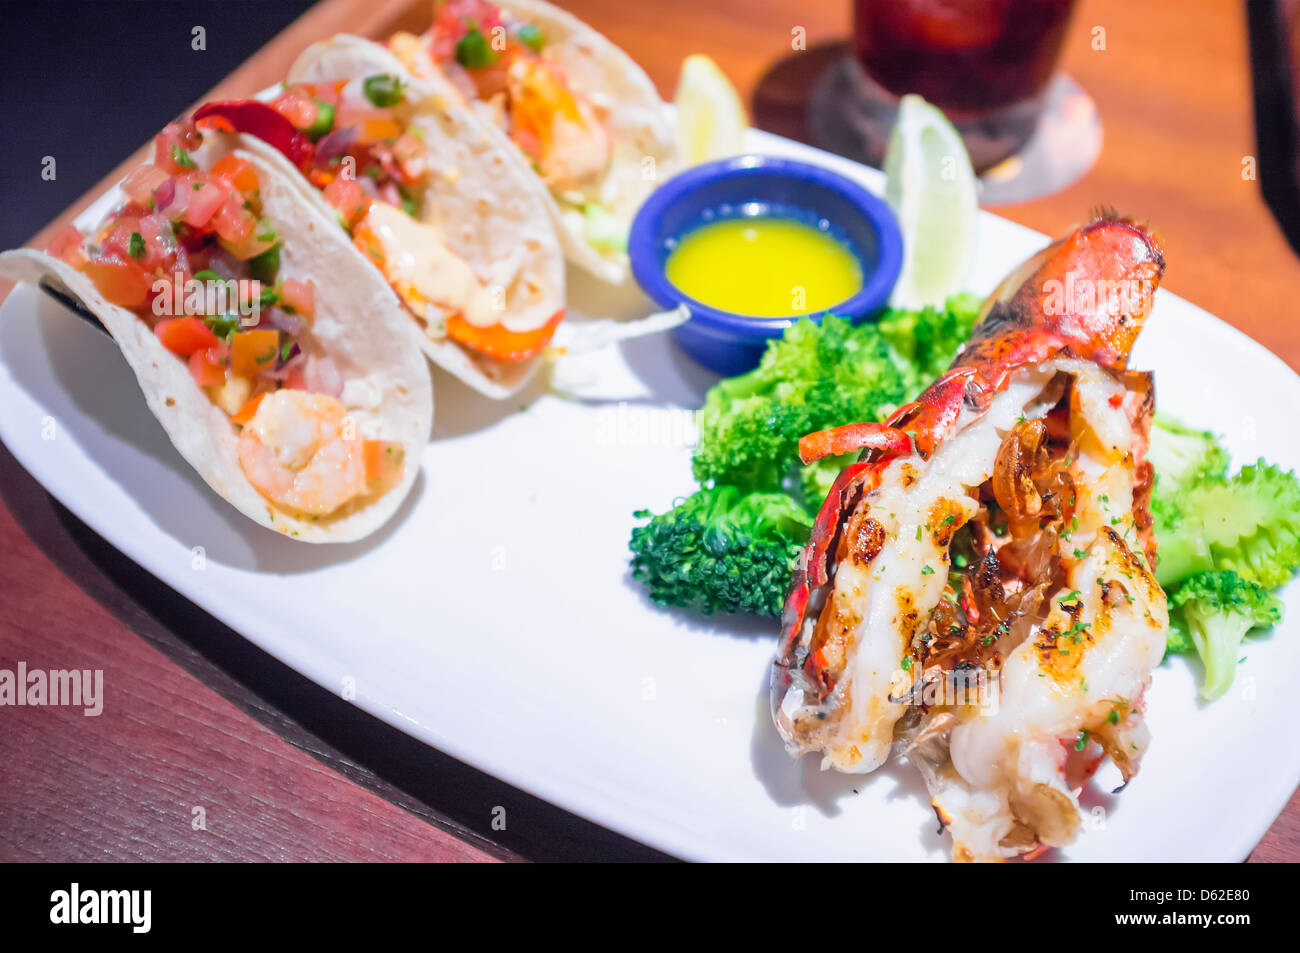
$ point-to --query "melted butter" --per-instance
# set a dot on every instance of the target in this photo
(420, 265)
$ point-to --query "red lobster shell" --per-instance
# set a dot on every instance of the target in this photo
(1086, 295)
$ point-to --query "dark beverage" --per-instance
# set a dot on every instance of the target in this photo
(985, 63)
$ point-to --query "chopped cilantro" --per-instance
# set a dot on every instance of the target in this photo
(182, 158)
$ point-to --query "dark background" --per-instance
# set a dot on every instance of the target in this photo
(88, 81)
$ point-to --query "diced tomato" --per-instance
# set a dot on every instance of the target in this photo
(253, 351)
(120, 280)
(140, 184)
(296, 105)
(299, 296)
(153, 249)
(498, 342)
(451, 21)
(326, 92)
(348, 197)
(234, 223)
(172, 143)
(238, 172)
(205, 199)
(207, 368)
(412, 157)
(384, 460)
(296, 379)
(244, 414)
(67, 246)
(184, 336)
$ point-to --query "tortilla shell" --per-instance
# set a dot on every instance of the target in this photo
(638, 123)
(358, 323)
(486, 204)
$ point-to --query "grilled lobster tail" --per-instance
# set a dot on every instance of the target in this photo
(942, 553)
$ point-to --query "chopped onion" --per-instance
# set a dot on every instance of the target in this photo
(281, 372)
(163, 195)
(336, 143)
(282, 320)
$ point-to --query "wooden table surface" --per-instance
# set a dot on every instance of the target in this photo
(197, 718)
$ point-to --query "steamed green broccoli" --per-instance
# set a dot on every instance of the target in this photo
(813, 378)
(820, 376)
(1215, 610)
(1249, 523)
(927, 341)
(1183, 457)
(721, 550)
(732, 548)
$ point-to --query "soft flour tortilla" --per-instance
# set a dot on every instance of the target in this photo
(358, 323)
(644, 144)
(487, 206)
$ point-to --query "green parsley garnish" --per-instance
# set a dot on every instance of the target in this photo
(1082, 741)
(135, 246)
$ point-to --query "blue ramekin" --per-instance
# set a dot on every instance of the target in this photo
(733, 343)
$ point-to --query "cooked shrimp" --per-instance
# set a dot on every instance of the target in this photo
(300, 454)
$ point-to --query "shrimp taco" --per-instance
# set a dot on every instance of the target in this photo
(580, 113)
(427, 195)
(279, 363)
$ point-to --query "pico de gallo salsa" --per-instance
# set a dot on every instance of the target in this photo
(192, 255)
(498, 61)
(354, 140)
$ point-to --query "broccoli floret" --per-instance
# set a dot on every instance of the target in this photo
(720, 550)
(1217, 610)
(732, 547)
(925, 342)
(1183, 457)
(814, 377)
(1249, 524)
(820, 376)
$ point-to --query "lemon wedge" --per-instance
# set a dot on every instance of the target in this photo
(711, 119)
(931, 188)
